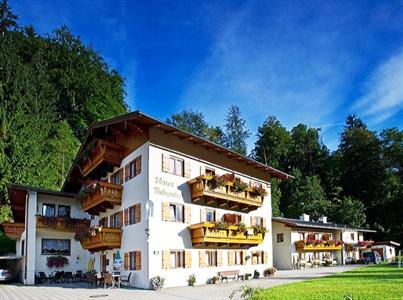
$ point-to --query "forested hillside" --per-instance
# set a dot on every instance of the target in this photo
(51, 89)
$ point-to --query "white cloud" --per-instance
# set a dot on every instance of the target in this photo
(383, 93)
(291, 73)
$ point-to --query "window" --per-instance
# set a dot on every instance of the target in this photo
(176, 212)
(177, 258)
(103, 222)
(132, 212)
(48, 210)
(280, 237)
(258, 221)
(326, 236)
(55, 246)
(210, 215)
(133, 168)
(211, 258)
(117, 177)
(209, 171)
(116, 220)
(238, 258)
(352, 236)
(63, 211)
(132, 260)
(258, 257)
(176, 166)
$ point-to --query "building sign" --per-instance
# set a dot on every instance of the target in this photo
(165, 188)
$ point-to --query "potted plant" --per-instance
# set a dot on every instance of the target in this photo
(248, 276)
(157, 283)
(238, 186)
(220, 225)
(215, 280)
(258, 191)
(242, 228)
(87, 190)
(269, 272)
(215, 182)
(259, 229)
(56, 261)
(192, 280)
(256, 274)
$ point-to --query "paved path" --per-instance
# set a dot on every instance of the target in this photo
(210, 292)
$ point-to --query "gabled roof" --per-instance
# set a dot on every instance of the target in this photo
(319, 225)
(18, 193)
(142, 121)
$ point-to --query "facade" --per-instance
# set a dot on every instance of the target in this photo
(169, 203)
(302, 242)
(386, 249)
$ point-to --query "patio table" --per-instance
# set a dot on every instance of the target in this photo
(117, 277)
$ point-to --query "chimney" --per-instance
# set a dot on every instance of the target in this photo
(323, 219)
(304, 217)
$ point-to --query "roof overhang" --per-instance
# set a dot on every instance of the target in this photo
(389, 243)
(141, 121)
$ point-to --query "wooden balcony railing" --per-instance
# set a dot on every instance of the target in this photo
(318, 246)
(104, 152)
(62, 224)
(13, 230)
(222, 197)
(105, 195)
(106, 239)
(205, 235)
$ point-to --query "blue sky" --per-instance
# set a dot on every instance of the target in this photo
(311, 62)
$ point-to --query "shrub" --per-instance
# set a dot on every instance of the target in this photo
(256, 274)
(220, 225)
(269, 272)
(248, 276)
(246, 292)
(259, 229)
(157, 283)
(192, 280)
(215, 279)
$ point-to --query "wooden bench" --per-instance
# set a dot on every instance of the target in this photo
(233, 274)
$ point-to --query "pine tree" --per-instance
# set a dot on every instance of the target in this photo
(8, 20)
(236, 132)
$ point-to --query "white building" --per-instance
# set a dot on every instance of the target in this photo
(386, 249)
(303, 242)
(157, 193)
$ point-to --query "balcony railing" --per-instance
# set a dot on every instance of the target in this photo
(104, 195)
(13, 230)
(106, 239)
(223, 196)
(318, 245)
(104, 152)
(61, 223)
(206, 235)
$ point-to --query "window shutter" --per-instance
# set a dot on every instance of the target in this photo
(202, 258)
(126, 262)
(120, 216)
(127, 172)
(231, 258)
(126, 216)
(244, 253)
(138, 260)
(265, 257)
(254, 258)
(187, 169)
(188, 259)
(165, 211)
(203, 215)
(252, 221)
(137, 213)
(165, 163)
(188, 214)
(120, 172)
(111, 221)
(166, 259)
(219, 258)
(138, 165)
(264, 222)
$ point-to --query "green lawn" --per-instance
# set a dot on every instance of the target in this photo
(374, 282)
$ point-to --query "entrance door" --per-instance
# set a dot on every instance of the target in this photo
(104, 263)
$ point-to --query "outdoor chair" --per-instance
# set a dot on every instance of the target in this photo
(91, 279)
(108, 280)
(68, 277)
(43, 277)
(125, 279)
(78, 277)
(58, 277)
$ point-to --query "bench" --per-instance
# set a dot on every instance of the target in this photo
(233, 274)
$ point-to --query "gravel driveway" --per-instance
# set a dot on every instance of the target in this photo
(211, 291)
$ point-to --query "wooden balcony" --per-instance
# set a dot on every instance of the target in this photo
(222, 197)
(104, 153)
(107, 239)
(324, 246)
(104, 196)
(13, 230)
(205, 235)
(61, 224)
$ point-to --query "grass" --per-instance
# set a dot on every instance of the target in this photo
(374, 282)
